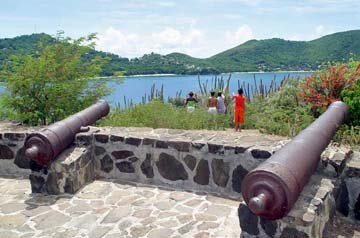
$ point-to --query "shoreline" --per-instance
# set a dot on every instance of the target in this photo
(166, 75)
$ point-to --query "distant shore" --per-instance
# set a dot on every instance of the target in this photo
(164, 75)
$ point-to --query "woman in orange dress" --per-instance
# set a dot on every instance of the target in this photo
(239, 109)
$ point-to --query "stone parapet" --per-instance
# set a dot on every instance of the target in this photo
(72, 169)
(348, 202)
(208, 161)
(307, 219)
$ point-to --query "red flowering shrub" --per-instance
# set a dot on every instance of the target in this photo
(323, 88)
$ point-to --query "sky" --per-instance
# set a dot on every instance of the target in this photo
(200, 28)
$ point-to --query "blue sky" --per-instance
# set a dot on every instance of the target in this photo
(200, 28)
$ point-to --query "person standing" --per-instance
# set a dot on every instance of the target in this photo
(239, 109)
(212, 103)
(221, 108)
(191, 102)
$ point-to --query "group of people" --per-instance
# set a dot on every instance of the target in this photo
(218, 105)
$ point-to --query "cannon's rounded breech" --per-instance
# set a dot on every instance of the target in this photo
(46, 144)
(271, 189)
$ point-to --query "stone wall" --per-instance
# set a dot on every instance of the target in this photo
(207, 161)
(12, 159)
(314, 207)
(213, 162)
(348, 202)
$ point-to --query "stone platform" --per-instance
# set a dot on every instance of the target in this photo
(113, 209)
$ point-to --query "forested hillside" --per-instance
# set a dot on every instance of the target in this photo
(254, 55)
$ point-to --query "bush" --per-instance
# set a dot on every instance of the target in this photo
(55, 83)
(351, 96)
(157, 114)
(325, 87)
(280, 113)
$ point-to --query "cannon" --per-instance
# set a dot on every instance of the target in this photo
(271, 189)
(45, 145)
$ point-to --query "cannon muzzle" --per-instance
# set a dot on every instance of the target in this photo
(45, 145)
(271, 189)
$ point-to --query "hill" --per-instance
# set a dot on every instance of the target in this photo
(254, 55)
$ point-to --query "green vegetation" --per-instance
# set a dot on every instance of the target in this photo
(285, 111)
(254, 55)
(157, 114)
(51, 84)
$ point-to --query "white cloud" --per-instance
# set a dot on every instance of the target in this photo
(320, 30)
(241, 35)
(166, 41)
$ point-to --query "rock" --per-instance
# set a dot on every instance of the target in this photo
(197, 145)
(11, 222)
(160, 233)
(268, 226)
(99, 150)
(218, 210)
(357, 208)
(146, 167)
(220, 172)
(133, 141)
(215, 149)
(165, 205)
(139, 231)
(14, 136)
(117, 214)
(125, 167)
(202, 234)
(107, 164)
(170, 168)
(193, 202)
(161, 144)
(190, 161)
(115, 138)
(144, 213)
(148, 141)
(207, 225)
(205, 217)
(292, 232)
(37, 183)
(12, 207)
(249, 221)
(240, 150)
(122, 154)
(50, 219)
(99, 231)
(180, 145)
(102, 138)
(20, 160)
(202, 173)
(52, 186)
(186, 228)
(260, 154)
(85, 222)
(238, 175)
(342, 201)
(179, 196)
(6, 152)
(133, 159)
(83, 138)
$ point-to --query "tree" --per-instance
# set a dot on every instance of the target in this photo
(55, 82)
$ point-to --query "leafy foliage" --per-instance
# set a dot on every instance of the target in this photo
(157, 114)
(280, 113)
(53, 83)
(321, 89)
(351, 97)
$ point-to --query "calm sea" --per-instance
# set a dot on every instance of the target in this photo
(135, 87)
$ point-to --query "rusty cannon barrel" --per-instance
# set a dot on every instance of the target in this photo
(271, 189)
(46, 144)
